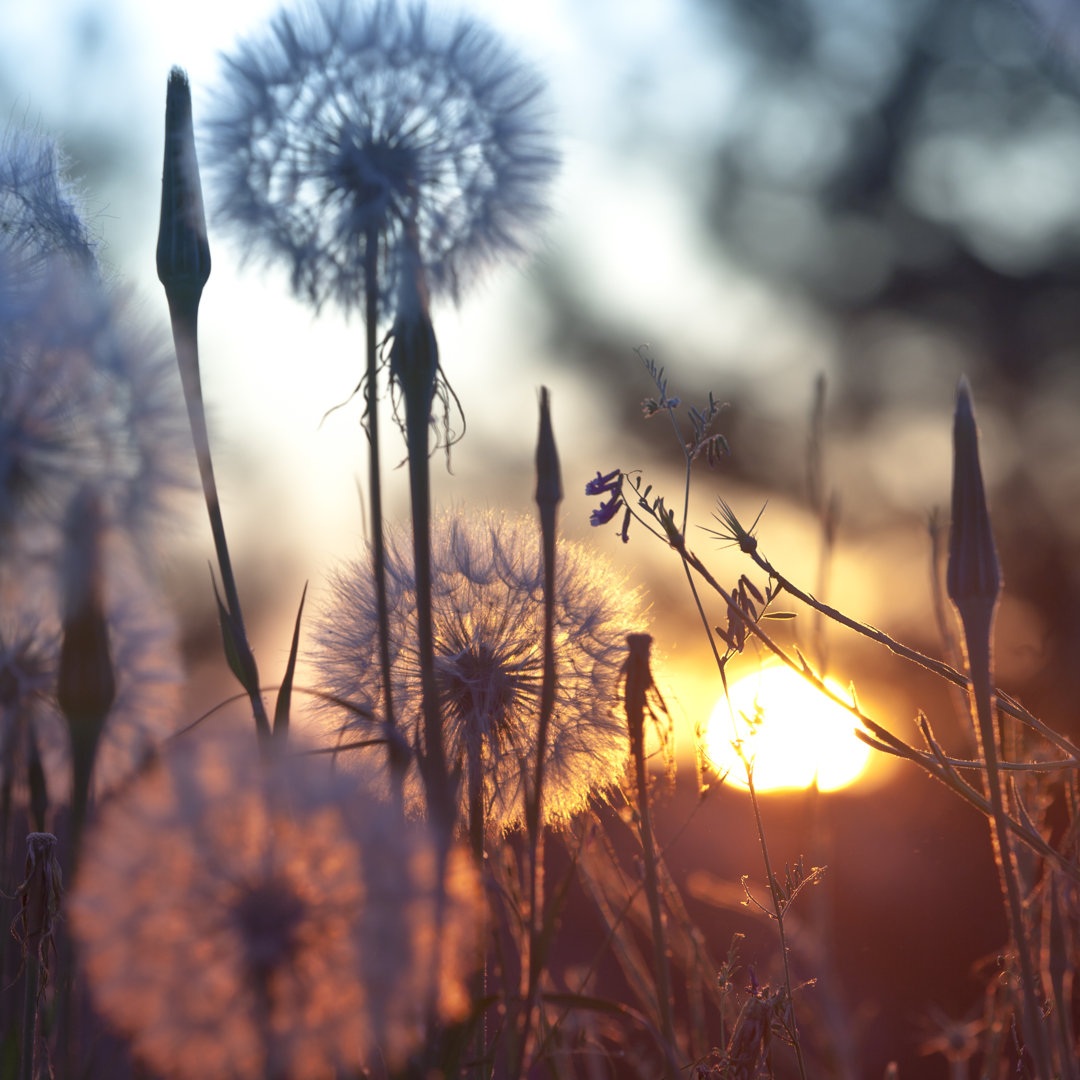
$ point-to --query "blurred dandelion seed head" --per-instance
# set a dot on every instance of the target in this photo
(87, 399)
(487, 614)
(250, 918)
(344, 129)
(41, 209)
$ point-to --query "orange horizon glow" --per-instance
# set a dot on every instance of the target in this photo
(794, 734)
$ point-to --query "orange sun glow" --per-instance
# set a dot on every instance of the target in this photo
(794, 733)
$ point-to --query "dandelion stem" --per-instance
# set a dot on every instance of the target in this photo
(414, 365)
(398, 754)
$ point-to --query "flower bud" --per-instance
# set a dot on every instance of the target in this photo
(548, 474)
(183, 253)
(973, 576)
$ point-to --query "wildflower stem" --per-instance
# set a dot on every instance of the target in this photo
(414, 365)
(184, 313)
(30, 1018)
(778, 911)
(548, 496)
(638, 681)
(183, 266)
(973, 582)
(937, 667)
(977, 629)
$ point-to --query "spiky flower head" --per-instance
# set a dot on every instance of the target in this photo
(347, 128)
(249, 918)
(488, 620)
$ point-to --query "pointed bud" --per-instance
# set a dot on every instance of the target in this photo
(183, 253)
(974, 576)
(548, 474)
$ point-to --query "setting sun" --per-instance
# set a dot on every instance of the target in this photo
(797, 733)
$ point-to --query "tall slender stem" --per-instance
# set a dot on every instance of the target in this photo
(638, 681)
(184, 312)
(548, 496)
(183, 266)
(778, 912)
(398, 752)
(977, 628)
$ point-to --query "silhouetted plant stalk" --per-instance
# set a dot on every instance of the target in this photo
(748, 544)
(183, 266)
(549, 493)
(414, 369)
(397, 751)
(638, 683)
(780, 903)
(973, 583)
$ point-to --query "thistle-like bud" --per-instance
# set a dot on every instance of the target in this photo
(974, 576)
(548, 474)
(183, 253)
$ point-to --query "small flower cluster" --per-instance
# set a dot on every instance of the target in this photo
(609, 484)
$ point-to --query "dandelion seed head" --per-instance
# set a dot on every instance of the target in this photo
(487, 615)
(86, 399)
(249, 918)
(41, 209)
(345, 129)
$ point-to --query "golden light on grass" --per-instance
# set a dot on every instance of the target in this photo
(791, 731)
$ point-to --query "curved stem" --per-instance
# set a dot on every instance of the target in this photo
(184, 313)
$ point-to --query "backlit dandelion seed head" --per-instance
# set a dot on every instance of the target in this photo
(487, 612)
(347, 127)
(246, 918)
